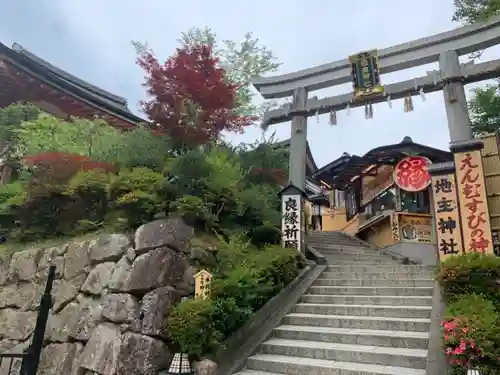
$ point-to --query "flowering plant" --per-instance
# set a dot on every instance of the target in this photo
(460, 341)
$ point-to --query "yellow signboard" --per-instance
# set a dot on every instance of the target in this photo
(446, 214)
(474, 212)
(416, 228)
(396, 236)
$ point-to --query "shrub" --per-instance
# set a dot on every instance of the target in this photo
(191, 326)
(194, 210)
(238, 290)
(90, 188)
(139, 193)
(471, 273)
(471, 333)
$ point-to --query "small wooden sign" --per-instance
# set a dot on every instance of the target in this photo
(365, 74)
(202, 281)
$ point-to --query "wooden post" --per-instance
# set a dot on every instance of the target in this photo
(445, 205)
(472, 196)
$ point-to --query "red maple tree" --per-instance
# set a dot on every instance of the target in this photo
(189, 98)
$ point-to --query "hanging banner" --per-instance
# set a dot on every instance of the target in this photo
(365, 74)
(411, 173)
(446, 214)
(473, 205)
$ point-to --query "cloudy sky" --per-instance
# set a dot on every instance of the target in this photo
(92, 40)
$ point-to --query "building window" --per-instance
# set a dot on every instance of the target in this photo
(385, 201)
(415, 202)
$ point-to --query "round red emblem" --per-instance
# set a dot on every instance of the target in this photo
(411, 173)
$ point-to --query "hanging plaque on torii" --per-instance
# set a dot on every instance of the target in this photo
(365, 74)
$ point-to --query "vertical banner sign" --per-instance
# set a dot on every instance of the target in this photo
(473, 205)
(365, 74)
(396, 236)
(291, 221)
(446, 214)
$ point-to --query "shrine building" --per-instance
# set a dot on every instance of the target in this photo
(389, 198)
(25, 77)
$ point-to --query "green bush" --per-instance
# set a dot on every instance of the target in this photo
(191, 326)
(471, 333)
(254, 276)
(471, 273)
(139, 193)
(91, 189)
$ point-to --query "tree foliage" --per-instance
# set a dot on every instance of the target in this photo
(182, 90)
(470, 11)
(190, 100)
(485, 104)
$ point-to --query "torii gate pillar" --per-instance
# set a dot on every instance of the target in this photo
(298, 140)
(459, 124)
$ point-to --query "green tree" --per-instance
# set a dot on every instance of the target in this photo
(485, 104)
(12, 116)
(470, 11)
(240, 60)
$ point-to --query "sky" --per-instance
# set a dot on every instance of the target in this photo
(92, 40)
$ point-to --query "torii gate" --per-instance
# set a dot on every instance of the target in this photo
(450, 78)
(444, 47)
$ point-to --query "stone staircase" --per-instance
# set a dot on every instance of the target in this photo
(366, 314)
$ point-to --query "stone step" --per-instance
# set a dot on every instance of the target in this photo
(371, 290)
(364, 310)
(368, 254)
(398, 268)
(400, 339)
(369, 300)
(265, 364)
(355, 259)
(364, 262)
(377, 275)
(358, 322)
(379, 355)
(341, 247)
(414, 282)
(345, 250)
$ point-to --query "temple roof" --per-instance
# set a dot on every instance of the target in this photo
(389, 154)
(327, 172)
(64, 82)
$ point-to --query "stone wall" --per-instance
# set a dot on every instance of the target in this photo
(111, 296)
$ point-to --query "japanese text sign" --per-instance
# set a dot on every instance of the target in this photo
(411, 173)
(473, 205)
(365, 74)
(291, 228)
(446, 214)
(396, 233)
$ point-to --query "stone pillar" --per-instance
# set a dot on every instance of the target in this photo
(446, 211)
(472, 197)
(292, 219)
(298, 140)
(454, 97)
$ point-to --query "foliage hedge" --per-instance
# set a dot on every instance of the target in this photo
(245, 278)
(471, 325)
